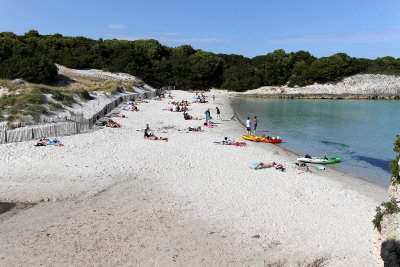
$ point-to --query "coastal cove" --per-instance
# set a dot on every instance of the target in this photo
(183, 202)
(359, 131)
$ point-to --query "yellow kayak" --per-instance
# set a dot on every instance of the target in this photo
(273, 139)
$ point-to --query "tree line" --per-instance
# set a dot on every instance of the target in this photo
(32, 56)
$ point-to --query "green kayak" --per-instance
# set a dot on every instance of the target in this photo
(319, 160)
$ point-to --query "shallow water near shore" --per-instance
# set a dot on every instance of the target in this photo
(361, 132)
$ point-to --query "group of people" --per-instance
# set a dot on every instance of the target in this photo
(208, 115)
(200, 98)
(248, 125)
(179, 106)
(160, 96)
(150, 136)
(229, 141)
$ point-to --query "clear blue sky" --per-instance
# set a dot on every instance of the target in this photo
(360, 28)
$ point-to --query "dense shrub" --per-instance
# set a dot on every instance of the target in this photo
(389, 207)
(32, 57)
(394, 164)
(385, 208)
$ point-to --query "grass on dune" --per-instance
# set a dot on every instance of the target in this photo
(26, 100)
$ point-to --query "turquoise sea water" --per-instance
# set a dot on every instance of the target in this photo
(362, 132)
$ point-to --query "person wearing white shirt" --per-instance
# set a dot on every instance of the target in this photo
(248, 125)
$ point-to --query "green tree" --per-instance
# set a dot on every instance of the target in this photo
(32, 33)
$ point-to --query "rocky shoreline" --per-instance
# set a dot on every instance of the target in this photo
(361, 86)
(325, 96)
(387, 241)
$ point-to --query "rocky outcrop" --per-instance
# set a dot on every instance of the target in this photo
(387, 242)
(365, 86)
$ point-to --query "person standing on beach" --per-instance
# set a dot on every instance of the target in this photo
(218, 113)
(208, 116)
(255, 121)
(248, 125)
(213, 97)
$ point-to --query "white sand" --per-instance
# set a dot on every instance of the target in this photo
(117, 199)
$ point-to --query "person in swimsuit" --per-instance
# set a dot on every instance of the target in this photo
(153, 137)
(198, 129)
(262, 165)
(255, 121)
(113, 124)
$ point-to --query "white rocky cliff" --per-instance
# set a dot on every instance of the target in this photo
(361, 85)
(387, 241)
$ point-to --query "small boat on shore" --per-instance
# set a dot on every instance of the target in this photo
(265, 139)
(319, 160)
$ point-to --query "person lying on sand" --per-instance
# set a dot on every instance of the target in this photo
(197, 129)
(262, 165)
(121, 115)
(239, 144)
(113, 124)
(277, 166)
(151, 136)
(228, 141)
(134, 108)
(47, 142)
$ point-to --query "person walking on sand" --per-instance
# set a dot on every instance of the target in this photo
(248, 125)
(218, 113)
(255, 121)
(213, 97)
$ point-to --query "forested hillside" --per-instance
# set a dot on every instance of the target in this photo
(32, 56)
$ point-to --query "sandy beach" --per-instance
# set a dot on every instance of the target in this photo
(109, 197)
